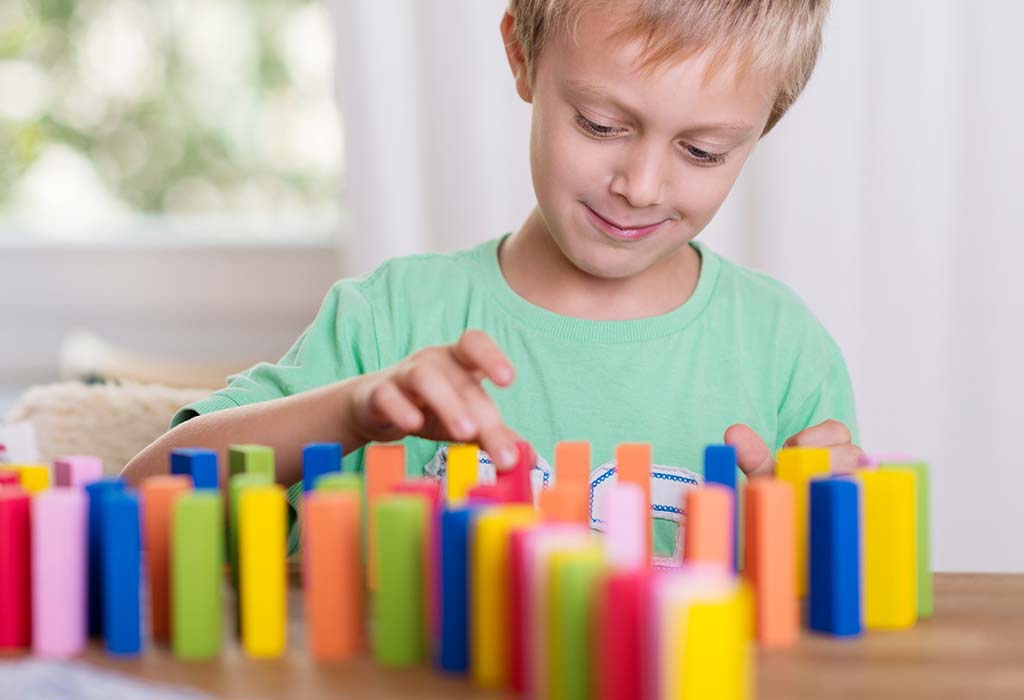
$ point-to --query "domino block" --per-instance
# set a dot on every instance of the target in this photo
(249, 459)
(32, 477)
(262, 553)
(484, 494)
(572, 463)
(835, 548)
(333, 576)
(516, 481)
(119, 558)
(626, 526)
(238, 484)
(340, 482)
(159, 494)
(925, 585)
(9, 478)
(15, 565)
(720, 468)
(200, 465)
(456, 526)
(633, 466)
(96, 493)
(77, 471)
(565, 503)
(489, 591)
(385, 469)
(890, 548)
(708, 535)
(798, 465)
(430, 491)
(398, 599)
(461, 474)
(59, 546)
(318, 459)
(197, 575)
(573, 588)
(515, 607)
(622, 607)
(768, 561)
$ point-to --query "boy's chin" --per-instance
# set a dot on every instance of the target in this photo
(608, 262)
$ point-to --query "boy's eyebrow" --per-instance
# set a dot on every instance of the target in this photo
(601, 92)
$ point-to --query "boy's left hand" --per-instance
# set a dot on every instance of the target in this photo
(755, 459)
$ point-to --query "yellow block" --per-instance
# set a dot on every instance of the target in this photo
(32, 477)
(489, 584)
(556, 564)
(797, 466)
(713, 653)
(461, 474)
(890, 548)
(262, 551)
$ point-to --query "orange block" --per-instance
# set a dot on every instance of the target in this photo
(159, 493)
(333, 577)
(633, 466)
(572, 463)
(708, 533)
(385, 468)
(565, 503)
(769, 560)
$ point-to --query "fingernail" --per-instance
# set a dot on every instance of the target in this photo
(466, 427)
(509, 457)
(505, 373)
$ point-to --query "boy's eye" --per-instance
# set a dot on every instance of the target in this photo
(699, 156)
(594, 128)
(704, 157)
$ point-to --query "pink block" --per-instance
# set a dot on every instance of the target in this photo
(59, 527)
(875, 458)
(625, 538)
(77, 471)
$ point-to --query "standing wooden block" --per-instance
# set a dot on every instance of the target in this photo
(572, 463)
(516, 481)
(251, 459)
(333, 577)
(798, 465)
(925, 586)
(626, 527)
(197, 464)
(9, 478)
(709, 521)
(890, 548)
(489, 591)
(340, 482)
(159, 494)
(621, 611)
(565, 503)
(119, 557)
(262, 553)
(236, 486)
(59, 546)
(769, 561)
(461, 473)
(633, 466)
(430, 490)
(32, 477)
(77, 471)
(97, 492)
(385, 469)
(720, 468)
(456, 528)
(573, 591)
(398, 631)
(318, 459)
(197, 575)
(835, 550)
(15, 565)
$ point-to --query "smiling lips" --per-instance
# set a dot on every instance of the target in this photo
(628, 233)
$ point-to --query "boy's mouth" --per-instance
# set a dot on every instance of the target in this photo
(622, 232)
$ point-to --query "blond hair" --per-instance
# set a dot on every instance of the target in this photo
(778, 38)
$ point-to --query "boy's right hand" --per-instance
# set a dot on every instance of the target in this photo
(436, 394)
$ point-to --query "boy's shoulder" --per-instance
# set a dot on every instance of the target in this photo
(755, 291)
(424, 272)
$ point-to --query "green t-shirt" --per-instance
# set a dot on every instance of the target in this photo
(742, 349)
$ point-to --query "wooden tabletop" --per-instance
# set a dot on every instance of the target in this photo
(972, 648)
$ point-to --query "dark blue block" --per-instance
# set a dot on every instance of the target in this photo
(456, 525)
(319, 458)
(720, 468)
(835, 557)
(120, 564)
(201, 465)
(96, 492)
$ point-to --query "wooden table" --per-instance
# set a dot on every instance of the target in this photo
(972, 648)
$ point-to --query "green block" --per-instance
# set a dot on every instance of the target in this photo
(197, 558)
(251, 459)
(399, 627)
(237, 483)
(576, 583)
(925, 583)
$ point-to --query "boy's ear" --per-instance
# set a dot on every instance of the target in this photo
(516, 62)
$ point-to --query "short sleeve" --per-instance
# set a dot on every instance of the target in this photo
(341, 342)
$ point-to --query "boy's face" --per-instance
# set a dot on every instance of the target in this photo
(654, 154)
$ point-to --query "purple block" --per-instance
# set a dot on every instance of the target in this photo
(77, 471)
(59, 546)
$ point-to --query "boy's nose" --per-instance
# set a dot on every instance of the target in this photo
(641, 178)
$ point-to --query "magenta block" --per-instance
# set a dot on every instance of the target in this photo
(59, 546)
(77, 471)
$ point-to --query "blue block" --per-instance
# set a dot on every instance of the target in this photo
(720, 468)
(120, 565)
(319, 458)
(96, 493)
(835, 564)
(201, 465)
(456, 526)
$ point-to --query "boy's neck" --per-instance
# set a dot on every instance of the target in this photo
(536, 269)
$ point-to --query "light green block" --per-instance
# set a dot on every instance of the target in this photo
(251, 459)
(925, 582)
(197, 558)
(398, 615)
(576, 583)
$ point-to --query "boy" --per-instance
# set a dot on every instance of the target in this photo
(599, 319)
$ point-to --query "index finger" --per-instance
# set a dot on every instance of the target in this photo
(476, 351)
(825, 434)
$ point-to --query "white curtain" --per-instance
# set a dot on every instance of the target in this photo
(888, 197)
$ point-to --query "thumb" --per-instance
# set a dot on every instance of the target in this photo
(752, 454)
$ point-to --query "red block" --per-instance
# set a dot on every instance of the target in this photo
(516, 481)
(517, 584)
(15, 569)
(619, 645)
